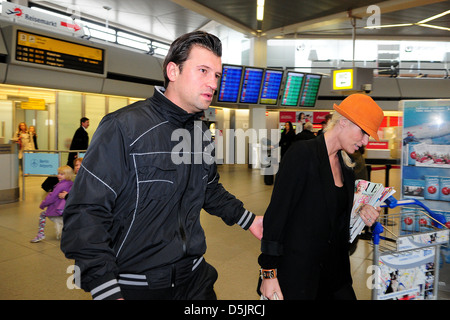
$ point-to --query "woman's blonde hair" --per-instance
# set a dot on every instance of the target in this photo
(333, 121)
(67, 171)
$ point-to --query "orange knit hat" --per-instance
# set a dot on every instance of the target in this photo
(363, 111)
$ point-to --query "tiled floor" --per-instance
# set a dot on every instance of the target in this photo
(40, 270)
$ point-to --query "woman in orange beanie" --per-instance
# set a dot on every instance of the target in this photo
(304, 249)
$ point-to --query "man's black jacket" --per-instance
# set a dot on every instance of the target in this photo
(134, 207)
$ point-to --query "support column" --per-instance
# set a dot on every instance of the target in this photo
(257, 117)
(258, 52)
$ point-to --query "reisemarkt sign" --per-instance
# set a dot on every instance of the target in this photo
(28, 16)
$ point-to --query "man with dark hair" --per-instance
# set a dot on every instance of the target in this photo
(132, 222)
(80, 141)
(180, 49)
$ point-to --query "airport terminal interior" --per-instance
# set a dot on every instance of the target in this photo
(107, 54)
(39, 271)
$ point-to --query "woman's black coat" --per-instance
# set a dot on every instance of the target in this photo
(300, 234)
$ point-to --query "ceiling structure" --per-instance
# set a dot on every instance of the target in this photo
(165, 20)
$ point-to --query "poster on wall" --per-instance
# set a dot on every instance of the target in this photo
(426, 158)
(298, 118)
(304, 116)
(426, 152)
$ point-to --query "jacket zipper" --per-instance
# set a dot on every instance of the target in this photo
(182, 233)
(180, 219)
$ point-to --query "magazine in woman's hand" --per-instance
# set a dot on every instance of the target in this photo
(366, 192)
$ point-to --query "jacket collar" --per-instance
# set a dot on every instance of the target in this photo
(172, 112)
(326, 176)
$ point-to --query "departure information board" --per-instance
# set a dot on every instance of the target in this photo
(292, 87)
(51, 52)
(230, 83)
(251, 85)
(271, 87)
(310, 90)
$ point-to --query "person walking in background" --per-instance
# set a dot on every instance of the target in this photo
(33, 135)
(76, 167)
(306, 133)
(305, 244)
(360, 164)
(80, 140)
(53, 202)
(324, 124)
(23, 138)
(287, 137)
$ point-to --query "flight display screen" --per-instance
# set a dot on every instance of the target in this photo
(310, 90)
(292, 87)
(230, 83)
(251, 85)
(271, 87)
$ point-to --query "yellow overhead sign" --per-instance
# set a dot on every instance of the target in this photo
(59, 46)
(33, 104)
(51, 52)
(342, 79)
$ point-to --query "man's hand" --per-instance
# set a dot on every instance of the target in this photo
(257, 227)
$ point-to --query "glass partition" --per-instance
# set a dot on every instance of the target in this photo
(50, 124)
(69, 108)
(115, 103)
(95, 110)
(7, 129)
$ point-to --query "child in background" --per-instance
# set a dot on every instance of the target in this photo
(76, 167)
(52, 202)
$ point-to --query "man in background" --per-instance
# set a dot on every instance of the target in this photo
(80, 140)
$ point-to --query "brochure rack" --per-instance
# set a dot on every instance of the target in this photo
(407, 251)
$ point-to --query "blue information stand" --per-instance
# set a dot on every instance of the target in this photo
(40, 163)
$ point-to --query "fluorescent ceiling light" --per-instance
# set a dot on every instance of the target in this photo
(390, 26)
(260, 10)
(434, 17)
(432, 26)
(420, 23)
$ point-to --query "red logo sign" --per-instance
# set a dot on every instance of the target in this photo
(17, 12)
